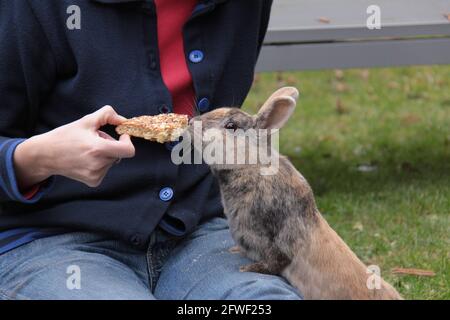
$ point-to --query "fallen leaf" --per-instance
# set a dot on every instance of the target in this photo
(365, 73)
(358, 226)
(324, 20)
(327, 137)
(414, 272)
(339, 74)
(340, 108)
(341, 87)
(292, 81)
(366, 168)
(441, 82)
(410, 119)
(393, 85)
(280, 79)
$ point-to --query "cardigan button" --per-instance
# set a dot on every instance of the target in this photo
(196, 56)
(166, 194)
(164, 109)
(136, 240)
(203, 105)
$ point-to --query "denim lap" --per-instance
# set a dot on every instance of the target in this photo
(202, 268)
(39, 270)
(197, 267)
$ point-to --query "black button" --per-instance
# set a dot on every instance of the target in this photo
(164, 109)
(203, 105)
(136, 240)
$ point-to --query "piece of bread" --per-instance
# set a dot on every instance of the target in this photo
(160, 128)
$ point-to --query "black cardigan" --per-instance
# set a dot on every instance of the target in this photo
(51, 75)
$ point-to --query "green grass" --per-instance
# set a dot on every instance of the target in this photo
(396, 121)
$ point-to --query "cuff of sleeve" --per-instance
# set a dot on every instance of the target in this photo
(11, 187)
(168, 225)
(30, 193)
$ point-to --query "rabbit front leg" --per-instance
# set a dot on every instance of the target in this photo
(235, 250)
(258, 267)
(274, 263)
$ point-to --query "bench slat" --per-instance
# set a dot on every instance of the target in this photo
(298, 20)
(413, 32)
(354, 54)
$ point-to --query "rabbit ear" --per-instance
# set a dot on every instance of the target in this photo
(277, 109)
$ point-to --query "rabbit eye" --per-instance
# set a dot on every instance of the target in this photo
(231, 126)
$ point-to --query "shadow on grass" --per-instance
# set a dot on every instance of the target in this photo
(399, 166)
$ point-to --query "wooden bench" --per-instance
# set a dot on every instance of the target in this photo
(321, 34)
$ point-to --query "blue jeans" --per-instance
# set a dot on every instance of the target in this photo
(91, 266)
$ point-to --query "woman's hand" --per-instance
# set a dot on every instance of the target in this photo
(78, 151)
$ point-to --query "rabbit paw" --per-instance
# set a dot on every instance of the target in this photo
(235, 250)
(258, 267)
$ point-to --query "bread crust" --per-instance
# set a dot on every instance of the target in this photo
(161, 128)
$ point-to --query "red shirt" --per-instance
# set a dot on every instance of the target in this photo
(172, 16)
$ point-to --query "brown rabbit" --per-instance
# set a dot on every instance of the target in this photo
(274, 219)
